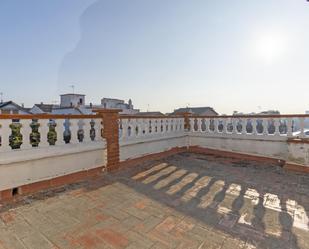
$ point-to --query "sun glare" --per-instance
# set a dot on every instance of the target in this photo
(270, 47)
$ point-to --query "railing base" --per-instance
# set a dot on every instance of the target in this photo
(11, 194)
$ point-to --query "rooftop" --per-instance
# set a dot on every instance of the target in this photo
(183, 201)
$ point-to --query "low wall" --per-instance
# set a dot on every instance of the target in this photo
(275, 147)
(142, 147)
(19, 168)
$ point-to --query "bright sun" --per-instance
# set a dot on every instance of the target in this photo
(270, 47)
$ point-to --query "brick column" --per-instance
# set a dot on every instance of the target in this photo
(110, 118)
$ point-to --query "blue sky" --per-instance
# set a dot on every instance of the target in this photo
(243, 55)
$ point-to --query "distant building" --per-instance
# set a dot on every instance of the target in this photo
(150, 114)
(42, 108)
(207, 111)
(72, 100)
(10, 107)
(127, 108)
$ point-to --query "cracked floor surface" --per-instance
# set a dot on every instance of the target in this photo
(183, 201)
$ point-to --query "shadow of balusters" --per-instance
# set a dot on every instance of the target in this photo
(286, 221)
(219, 197)
(259, 212)
(239, 200)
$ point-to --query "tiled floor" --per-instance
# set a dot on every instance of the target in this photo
(184, 201)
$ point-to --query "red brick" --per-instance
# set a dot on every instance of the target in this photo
(113, 238)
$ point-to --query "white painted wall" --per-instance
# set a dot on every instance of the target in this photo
(67, 99)
(138, 148)
(23, 167)
(298, 153)
(275, 147)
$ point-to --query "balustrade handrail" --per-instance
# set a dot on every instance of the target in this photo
(49, 116)
(148, 116)
(251, 116)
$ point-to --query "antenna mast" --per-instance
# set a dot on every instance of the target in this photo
(73, 88)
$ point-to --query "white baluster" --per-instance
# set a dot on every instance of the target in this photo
(289, 127)
(59, 130)
(146, 126)
(124, 135)
(265, 126)
(5, 132)
(207, 123)
(26, 131)
(182, 120)
(43, 130)
(74, 130)
(244, 126)
(254, 124)
(87, 128)
(225, 126)
(277, 124)
(163, 126)
(302, 127)
(170, 124)
(234, 123)
(98, 129)
(155, 126)
(137, 124)
(216, 122)
(199, 125)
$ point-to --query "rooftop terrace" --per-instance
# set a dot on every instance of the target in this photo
(185, 181)
(183, 201)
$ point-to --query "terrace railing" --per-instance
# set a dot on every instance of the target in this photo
(268, 126)
(26, 132)
(139, 128)
(36, 148)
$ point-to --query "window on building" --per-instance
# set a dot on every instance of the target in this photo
(80, 101)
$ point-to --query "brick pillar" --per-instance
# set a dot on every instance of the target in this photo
(110, 118)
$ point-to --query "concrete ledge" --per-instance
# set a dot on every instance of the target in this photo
(296, 167)
(201, 150)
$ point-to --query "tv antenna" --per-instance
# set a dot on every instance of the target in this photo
(73, 88)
